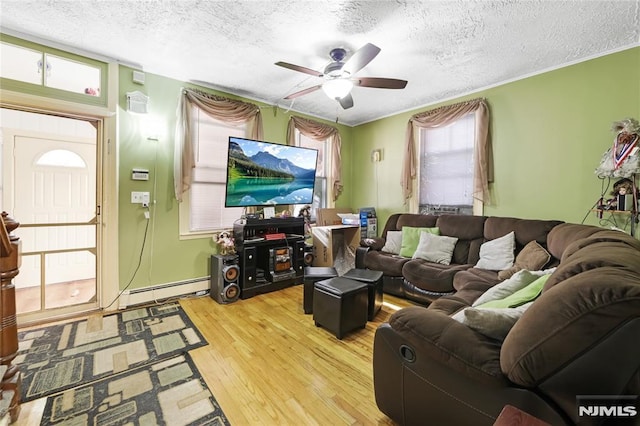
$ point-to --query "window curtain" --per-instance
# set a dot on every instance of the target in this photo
(483, 167)
(320, 132)
(223, 109)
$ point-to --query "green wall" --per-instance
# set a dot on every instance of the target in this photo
(166, 258)
(549, 132)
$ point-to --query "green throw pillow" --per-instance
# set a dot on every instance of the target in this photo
(524, 295)
(411, 238)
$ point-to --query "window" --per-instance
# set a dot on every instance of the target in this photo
(320, 193)
(207, 212)
(51, 72)
(447, 167)
(61, 158)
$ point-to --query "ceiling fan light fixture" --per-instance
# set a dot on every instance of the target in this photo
(337, 88)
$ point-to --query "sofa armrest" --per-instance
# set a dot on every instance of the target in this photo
(578, 338)
(361, 252)
(375, 243)
(436, 335)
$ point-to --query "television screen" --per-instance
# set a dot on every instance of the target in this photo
(269, 174)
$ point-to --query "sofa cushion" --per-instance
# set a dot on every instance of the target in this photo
(524, 295)
(435, 248)
(591, 257)
(607, 235)
(477, 276)
(431, 277)
(532, 257)
(564, 234)
(411, 238)
(469, 230)
(497, 254)
(390, 264)
(518, 281)
(566, 321)
(525, 229)
(492, 322)
(415, 220)
(393, 242)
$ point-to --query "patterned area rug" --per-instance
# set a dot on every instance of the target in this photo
(68, 355)
(169, 392)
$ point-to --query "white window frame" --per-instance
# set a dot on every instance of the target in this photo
(81, 88)
(323, 172)
(463, 201)
(210, 168)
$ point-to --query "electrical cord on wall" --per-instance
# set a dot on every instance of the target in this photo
(144, 243)
(375, 165)
(603, 190)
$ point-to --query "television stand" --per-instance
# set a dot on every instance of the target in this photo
(269, 263)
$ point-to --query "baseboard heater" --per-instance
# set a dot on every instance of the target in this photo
(139, 296)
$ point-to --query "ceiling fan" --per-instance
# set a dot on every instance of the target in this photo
(339, 75)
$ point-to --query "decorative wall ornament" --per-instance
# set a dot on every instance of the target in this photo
(622, 160)
(137, 102)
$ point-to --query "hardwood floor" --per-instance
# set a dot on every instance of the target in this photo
(267, 363)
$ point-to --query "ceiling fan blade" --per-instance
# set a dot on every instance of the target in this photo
(299, 68)
(346, 102)
(304, 91)
(382, 83)
(361, 58)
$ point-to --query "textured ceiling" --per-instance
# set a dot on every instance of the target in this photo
(443, 48)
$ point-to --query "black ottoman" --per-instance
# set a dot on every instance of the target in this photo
(340, 305)
(373, 279)
(311, 275)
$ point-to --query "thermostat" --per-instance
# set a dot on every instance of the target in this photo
(140, 174)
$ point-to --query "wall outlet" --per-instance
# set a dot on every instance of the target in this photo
(376, 155)
(140, 197)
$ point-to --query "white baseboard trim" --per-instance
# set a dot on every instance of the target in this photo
(139, 296)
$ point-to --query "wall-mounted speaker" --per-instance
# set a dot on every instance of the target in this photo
(225, 273)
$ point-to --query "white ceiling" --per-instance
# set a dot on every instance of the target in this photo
(443, 48)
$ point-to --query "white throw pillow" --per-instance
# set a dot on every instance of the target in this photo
(517, 281)
(435, 248)
(498, 254)
(493, 322)
(393, 242)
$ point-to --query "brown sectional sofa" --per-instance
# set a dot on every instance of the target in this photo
(581, 336)
(423, 281)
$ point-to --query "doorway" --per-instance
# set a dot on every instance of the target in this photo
(49, 185)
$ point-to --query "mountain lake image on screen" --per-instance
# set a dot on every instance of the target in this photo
(269, 174)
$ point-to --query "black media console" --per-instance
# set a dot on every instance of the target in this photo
(271, 254)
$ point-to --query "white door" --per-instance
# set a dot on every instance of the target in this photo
(53, 195)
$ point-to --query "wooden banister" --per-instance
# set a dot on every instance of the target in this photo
(9, 267)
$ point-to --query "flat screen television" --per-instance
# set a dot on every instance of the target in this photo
(269, 174)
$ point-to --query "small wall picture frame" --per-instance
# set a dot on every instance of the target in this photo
(269, 212)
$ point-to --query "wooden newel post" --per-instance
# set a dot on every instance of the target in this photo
(9, 268)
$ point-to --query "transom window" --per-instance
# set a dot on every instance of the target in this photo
(58, 74)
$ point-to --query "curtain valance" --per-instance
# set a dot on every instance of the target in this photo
(438, 117)
(320, 132)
